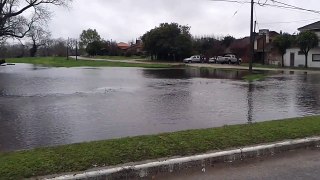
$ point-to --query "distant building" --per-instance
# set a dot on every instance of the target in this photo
(137, 48)
(132, 49)
(295, 58)
(123, 46)
(264, 50)
(241, 48)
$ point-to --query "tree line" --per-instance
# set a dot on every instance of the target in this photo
(170, 42)
(173, 41)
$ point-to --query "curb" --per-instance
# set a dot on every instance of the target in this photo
(198, 161)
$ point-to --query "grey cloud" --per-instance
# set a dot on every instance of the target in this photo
(124, 20)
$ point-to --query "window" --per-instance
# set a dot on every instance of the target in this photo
(300, 53)
(315, 57)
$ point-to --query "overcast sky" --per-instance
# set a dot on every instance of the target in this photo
(125, 20)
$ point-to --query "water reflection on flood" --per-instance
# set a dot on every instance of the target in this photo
(52, 106)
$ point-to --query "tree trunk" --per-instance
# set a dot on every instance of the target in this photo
(282, 63)
(306, 65)
(33, 51)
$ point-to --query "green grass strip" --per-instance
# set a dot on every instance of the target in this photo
(118, 57)
(63, 62)
(261, 65)
(254, 77)
(78, 157)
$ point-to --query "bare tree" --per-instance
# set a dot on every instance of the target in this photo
(46, 49)
(39, 37)
(59, 47)
(18, 16)
(72, 44)
(3, 50)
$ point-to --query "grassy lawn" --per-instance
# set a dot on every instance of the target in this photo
(63, 62)
(254, 77)
(118, 57)
(77, 157)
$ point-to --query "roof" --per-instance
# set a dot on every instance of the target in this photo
(313, 26)
(123, 45)
(240, 42)
(273, 33)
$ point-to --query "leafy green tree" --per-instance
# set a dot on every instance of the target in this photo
(94, 48)
(307, 40)
(87, 37)
(228, 40)
(168, 42)
(204, 45)
(283, 42)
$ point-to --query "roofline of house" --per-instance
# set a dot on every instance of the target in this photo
(305, 28)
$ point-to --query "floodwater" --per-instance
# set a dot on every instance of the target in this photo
(53, 106)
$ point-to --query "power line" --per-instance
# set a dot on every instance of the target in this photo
(296, 7)
(232, 1)
(276, 4)
(282, 5)
(285, 22)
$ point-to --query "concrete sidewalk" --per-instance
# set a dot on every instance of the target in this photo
(294, 165)
(158, 168)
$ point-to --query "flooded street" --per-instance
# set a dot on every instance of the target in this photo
(53, 106)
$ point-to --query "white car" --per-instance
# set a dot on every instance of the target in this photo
(228, 59)
(232, 59)
(213, 60)
(193, 59)
(221, 60)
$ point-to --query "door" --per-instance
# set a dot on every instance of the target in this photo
(291, 59)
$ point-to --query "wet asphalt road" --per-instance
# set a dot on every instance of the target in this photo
(295, 165)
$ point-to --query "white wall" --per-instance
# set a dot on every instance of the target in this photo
(318, 34)
(300, 59)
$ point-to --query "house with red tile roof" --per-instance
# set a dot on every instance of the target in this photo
(123, 46)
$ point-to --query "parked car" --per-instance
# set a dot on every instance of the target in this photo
(228, 59)
(213, 60)
(221, 59)
(193, 59)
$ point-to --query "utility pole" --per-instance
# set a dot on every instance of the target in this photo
(76, 50)
(68, 49)
(251, 38)
(263, 46)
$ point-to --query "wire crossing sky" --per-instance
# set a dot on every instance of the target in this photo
(126, 20)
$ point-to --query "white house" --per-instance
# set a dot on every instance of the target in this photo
(293, 56)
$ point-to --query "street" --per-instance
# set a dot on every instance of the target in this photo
(294, 165)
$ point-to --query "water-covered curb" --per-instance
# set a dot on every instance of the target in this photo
(198, 161)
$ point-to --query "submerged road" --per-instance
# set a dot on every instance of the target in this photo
(294, 165)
